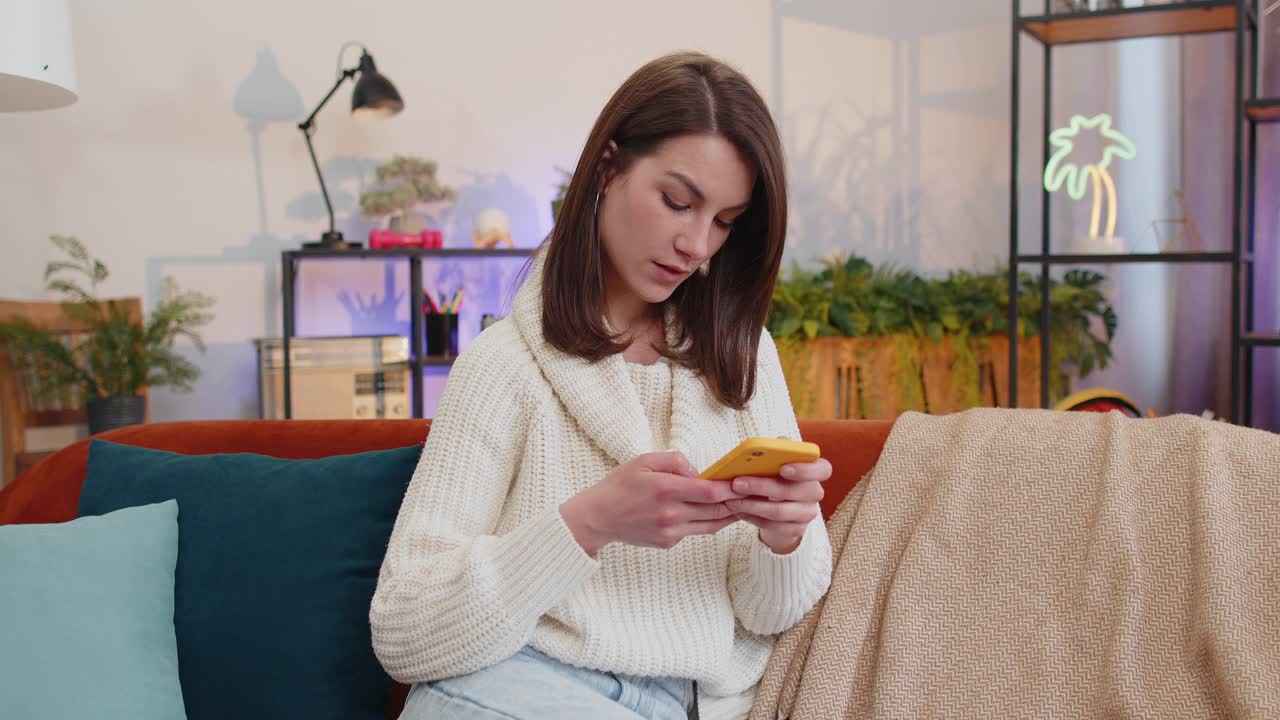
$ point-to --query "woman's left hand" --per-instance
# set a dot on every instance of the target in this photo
(782, 507)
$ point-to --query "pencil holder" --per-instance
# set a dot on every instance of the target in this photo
(442, 334)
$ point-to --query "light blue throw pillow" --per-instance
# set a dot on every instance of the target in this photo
(86, 617)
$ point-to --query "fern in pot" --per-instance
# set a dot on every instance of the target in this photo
(119, 355)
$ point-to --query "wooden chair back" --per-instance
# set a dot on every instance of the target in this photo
(25, 399)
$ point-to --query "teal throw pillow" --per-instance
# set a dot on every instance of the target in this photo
(86, 617)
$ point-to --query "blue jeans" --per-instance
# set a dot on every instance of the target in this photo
(532, 686)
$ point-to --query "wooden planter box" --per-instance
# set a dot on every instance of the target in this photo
(882, 377)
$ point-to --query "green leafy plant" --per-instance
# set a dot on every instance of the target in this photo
(848, 297)
(562, 187)
(120, 354)
(1074, 303)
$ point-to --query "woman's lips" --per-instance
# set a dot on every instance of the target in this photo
(669, 273)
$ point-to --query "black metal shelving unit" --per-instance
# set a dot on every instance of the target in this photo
(1257, 111)
(291, 259)
(1239, 17)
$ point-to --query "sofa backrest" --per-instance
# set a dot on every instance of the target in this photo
(50, 491)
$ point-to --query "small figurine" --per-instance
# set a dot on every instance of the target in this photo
(492, 228)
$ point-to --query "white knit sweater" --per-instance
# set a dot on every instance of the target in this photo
(481, 563)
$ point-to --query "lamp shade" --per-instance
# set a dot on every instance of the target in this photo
(37, 68)
(374, 95)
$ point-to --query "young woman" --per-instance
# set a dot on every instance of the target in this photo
(556, 555)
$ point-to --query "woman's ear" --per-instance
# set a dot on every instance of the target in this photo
(608, 165)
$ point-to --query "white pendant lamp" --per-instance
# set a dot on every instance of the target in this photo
(37, 68)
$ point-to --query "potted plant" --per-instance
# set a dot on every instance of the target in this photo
(415, 182)
(562, 187)
(120, 355)
(861, 341)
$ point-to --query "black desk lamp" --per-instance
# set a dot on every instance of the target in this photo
(373, 96)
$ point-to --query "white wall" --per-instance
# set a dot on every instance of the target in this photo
(181, 157)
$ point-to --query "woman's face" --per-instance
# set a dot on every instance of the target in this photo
(670, 212)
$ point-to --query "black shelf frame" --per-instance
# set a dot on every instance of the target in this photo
(1263, 110)
(1239, 17)
(290, 261)
(1133, 258)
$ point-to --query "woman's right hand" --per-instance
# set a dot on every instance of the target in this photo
(655, 500)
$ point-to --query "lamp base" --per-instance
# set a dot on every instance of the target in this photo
(331, 240)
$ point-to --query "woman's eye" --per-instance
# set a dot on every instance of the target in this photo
(672, 203)
(681, 208)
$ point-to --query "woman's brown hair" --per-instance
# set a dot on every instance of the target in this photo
(718, 317)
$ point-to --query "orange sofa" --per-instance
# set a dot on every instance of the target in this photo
(50, 491)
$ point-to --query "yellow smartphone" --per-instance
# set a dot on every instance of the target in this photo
(762, 457)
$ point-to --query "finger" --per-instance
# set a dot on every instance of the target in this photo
(819, 470)
(709, 527)
(786, 512)
(776, 489)
(697, 512)
(673, 462)
(773, 526)
(701, 490)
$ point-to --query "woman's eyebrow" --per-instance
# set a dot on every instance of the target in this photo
(697, 192)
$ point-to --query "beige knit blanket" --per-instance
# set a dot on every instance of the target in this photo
(1025, 563)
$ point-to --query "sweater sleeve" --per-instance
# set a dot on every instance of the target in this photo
(772, 592)
(452, 596)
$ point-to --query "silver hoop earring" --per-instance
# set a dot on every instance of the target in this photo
(597, 210)
(705, 268)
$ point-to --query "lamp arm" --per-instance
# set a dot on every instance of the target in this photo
(324, 192)
(306, 126)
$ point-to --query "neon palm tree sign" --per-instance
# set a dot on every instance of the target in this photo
(1060, 170)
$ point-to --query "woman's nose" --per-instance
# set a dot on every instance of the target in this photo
(695, 242)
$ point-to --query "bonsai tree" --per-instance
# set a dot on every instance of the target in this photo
(121, 354)
(415, 182)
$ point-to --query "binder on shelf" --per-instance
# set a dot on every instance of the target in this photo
(361, 377)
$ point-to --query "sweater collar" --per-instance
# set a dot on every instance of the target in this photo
(600, 395)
